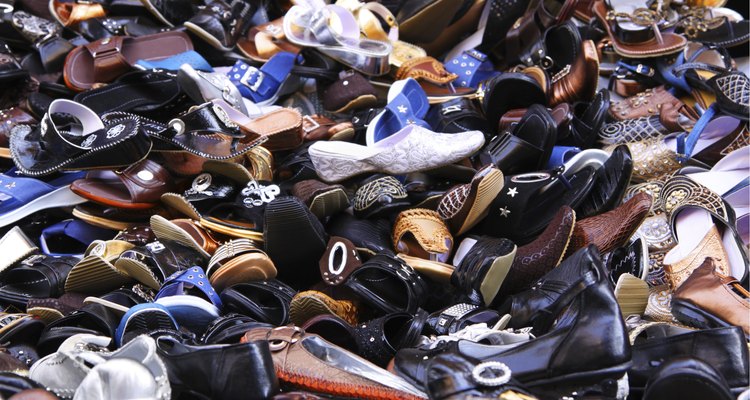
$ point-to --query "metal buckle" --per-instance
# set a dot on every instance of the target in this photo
(248, 74)
(106, 52)
(644, 70)
(313, 125)
(450, 109)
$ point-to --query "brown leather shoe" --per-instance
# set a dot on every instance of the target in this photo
(709, 299)
(579, 83)
(311, 303)
(535, 259)
(307, 362)
(612, 229)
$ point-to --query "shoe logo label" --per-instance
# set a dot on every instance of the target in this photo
(338, 251)
(221, 113)
(115, 131)
(89, 141)
(491, 373)
(155, 247)
(98, 250)
(256, 194)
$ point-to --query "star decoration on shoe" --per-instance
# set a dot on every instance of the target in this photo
(512, 192)
(402, 109)
(11, 185)
(504, 212)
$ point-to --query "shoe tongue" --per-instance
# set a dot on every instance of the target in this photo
(463, 249)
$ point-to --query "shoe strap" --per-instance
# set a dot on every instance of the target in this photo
(180, 282)
(686, 142)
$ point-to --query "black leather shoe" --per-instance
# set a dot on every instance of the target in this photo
(611, 181)
(458, 115)
(529, 202)
(171, 12)
(687, 379)
(526, 306)
(582, 340)
(526, 147)
(10, 69)
(483, 269)
(452, 377)
(588, 119)
(237, 371)
(724, 349)
(221, 23)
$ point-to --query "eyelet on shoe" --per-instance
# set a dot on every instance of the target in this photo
(500, 373)
(276, 345)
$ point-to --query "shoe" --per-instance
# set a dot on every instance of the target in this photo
(708, 299)
(466, 205)
(655, 344)
(411, 149)
(307, 362)
(611, 182)
(537, 258)
(578, 80)
(526, 306)
(611, 230)
(526, 147)
(170, 12)
(687, 378)
(553, 359)
(226, 371)
(220, 23)
(482, 268)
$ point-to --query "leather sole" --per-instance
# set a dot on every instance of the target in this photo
(108, 202)
(165, 230)
(495, 276)
(5, 152)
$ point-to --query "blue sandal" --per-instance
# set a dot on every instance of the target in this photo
(21, 196)
(190, 298)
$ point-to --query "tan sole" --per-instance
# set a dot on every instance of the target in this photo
(345, 135)
(244, 268)
(304, 308)
(117, 308)
(138, 271)
(166, 230)
(233, 232)
(489, 187)
(179, 204)
(156, 13)
(364, 101)
(329, 203)
(198, 31)
(5, 152)
(496, 276)
(436, 271)
(47, 315)
(94, 274)
(631, 294)
(103, 222)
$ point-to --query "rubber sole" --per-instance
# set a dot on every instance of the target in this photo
(165, 230)
(103, 222)
(305, 307)
(329, 203)
(631, 294)
(5, 152)
(138, 271)
(364, 101)
(495, 276)
(62, 197)
(233, 232)
(93, 274)
(489, 187)
(210, 39)
(150, 7)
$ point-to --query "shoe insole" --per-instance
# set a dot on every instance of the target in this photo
(720, 182)
(691, 227)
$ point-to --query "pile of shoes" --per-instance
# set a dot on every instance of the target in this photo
(389, 199)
